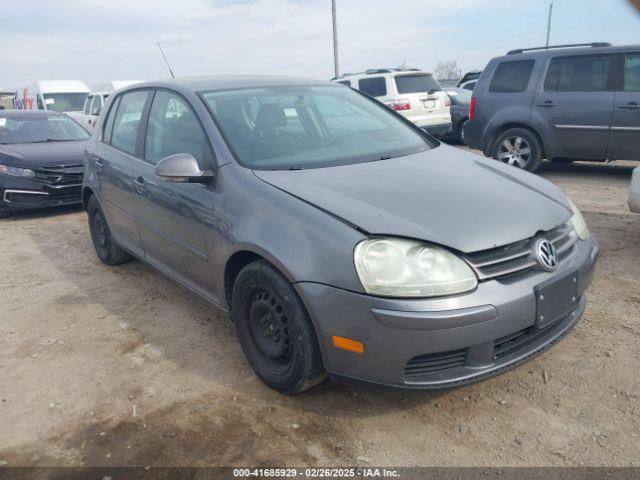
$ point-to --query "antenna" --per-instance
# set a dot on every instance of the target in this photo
(165, 60)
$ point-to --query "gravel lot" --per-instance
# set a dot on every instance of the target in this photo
(120, 366)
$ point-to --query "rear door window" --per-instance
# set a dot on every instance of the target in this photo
(416, 84)
(373, 86)
(127, 120)
(585, 73)
(512, 76)
(632, 72)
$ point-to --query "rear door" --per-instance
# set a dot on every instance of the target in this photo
(421, 99)
(575, 104)
(118, 160)
(624, 143)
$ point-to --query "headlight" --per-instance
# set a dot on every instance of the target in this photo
(579, 225)
(16, 171)
(396, 267)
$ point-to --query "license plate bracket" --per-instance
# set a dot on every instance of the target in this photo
(429, 103)
(555, 299)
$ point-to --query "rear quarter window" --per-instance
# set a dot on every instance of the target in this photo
(512, 76)
(374, 86)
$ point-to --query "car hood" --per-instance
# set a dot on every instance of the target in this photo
(445, 196)
(50, 154)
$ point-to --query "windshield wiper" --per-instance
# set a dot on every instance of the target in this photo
(48, 140)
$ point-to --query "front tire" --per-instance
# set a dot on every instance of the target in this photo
(106, 248)
(274, 330)
(518, 147)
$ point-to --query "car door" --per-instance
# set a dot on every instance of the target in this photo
(624, 143)
(575, 102)
(175, 217)
(120, 168)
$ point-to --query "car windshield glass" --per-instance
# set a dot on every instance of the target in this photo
(294, 127)
(64, 102)
(459, 96)
(417, 84)
(45, 128)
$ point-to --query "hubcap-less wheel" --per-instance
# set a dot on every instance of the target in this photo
(515, 151)
(270, 331)
(100, 229)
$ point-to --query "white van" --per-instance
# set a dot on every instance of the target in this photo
(58, 95)
(415, 94)
(96, 99)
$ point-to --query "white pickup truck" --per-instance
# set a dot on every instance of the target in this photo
(95, 100)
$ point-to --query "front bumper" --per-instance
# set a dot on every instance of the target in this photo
(18, 193)
(444, 342)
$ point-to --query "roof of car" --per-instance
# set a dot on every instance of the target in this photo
(29, 113)
(593, 48)
(223, 82)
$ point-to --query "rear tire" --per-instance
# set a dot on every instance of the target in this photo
(274, 330)
(518, 147)
(460, 132)
(106, 248)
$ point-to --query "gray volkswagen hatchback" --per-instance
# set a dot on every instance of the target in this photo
(342, 239)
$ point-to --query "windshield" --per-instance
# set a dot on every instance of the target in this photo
(64, 102)
(293, 127)
(45, 128)
(417, 84)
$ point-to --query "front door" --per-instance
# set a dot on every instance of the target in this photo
(175, 219)
(576, 103)
(624, 143)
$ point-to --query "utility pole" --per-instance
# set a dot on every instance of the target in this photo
(335, 39)
(549, 23)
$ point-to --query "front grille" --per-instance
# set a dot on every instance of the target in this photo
(435, 362)
(517, 257)
(68, 175)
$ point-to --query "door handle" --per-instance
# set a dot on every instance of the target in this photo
(139, 185)
(547, 103)
(630, 106)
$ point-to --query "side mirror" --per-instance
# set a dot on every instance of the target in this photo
(182, 168)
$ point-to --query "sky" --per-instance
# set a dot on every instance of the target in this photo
(98, 41)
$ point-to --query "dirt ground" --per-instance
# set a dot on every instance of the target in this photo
(120, 366)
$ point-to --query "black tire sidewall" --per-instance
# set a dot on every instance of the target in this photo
(306, 364)
(535, 160)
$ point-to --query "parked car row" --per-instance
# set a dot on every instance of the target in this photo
(341, 237)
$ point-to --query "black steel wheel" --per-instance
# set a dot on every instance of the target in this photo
(105, 246)
(274, 330)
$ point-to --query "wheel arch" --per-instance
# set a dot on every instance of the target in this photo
(243, 256)
(496, 132)
(87, 192)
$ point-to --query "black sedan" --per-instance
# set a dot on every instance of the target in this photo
(41, 160)
(460, 100)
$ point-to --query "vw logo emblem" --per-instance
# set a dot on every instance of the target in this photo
(546, 254)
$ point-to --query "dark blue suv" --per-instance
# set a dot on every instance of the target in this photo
(563, 103)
